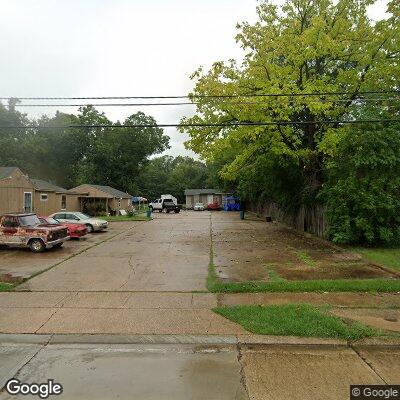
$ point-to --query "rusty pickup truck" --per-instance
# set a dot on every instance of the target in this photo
(26, 230)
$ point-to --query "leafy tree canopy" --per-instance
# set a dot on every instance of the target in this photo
(301, 47)
(169, 175)
(70, 156)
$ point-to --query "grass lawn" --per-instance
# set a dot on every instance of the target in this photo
(122, 218)
(4, 287)
(388, 257)
(294, 320)
(325, 285)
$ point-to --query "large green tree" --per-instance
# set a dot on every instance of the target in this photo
(115, 156)
(304, 46)
(363, 187)
(53, 149)
(11, 140)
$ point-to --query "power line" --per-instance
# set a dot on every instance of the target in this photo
(197, 103)
(227, 125)
(205, 96)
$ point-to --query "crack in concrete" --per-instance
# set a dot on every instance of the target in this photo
(242, 372)
(133, 272)
(60, 306)
(2, 390)
(84, 250)
(368, 363)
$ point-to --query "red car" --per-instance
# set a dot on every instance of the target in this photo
(75, 231)
(215, 206)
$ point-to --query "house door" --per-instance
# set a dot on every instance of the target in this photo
(27, 202)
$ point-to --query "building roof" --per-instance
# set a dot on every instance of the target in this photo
(110, 190)
(40, 184)
(5, 172)
(191, 192)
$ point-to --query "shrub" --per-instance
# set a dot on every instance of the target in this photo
(363, 189)
(95, 209)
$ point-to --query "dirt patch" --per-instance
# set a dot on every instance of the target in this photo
(342, 271)
(241, 273)
(377, 318)
(259, 251)
(340, 299)
(8, 278)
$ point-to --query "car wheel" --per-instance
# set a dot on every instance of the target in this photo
(37, 245)
(57, 246)
(89, 228)
(177, 211)
(168, 211)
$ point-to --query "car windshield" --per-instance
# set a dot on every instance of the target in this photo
(29, 220)
(199, 204)
(82, 215)
(50, 221)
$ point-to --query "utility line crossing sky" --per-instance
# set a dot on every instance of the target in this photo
(72, 48)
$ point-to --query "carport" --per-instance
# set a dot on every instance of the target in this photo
(113, 200)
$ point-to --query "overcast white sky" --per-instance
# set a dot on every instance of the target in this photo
(117, 48)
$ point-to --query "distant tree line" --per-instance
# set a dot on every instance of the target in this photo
(123, 158)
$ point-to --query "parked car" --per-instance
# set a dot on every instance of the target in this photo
(199, 207)
(169, 206)
(214, 207)
(26, 230)
(92, 224)
(75, 231)
(166, 203)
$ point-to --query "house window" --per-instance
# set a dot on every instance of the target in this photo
(119, 203)
(43, 197)
(28, 202)
(63, 202)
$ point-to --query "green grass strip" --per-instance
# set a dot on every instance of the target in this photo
(388, 257)
(4, 287)
(294, 320)
(326, 285)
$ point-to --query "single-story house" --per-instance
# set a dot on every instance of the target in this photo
(112, 199)
(19, 193)
(16, 191)
(205, 196)
(49, 198)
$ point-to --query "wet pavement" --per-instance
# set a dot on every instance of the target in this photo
(18, 263)
(145, 372)
(130, 317)
(170, 253)
(320, 372)
(149, 278)
(170, 371)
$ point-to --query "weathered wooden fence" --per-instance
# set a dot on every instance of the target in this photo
(307, 219)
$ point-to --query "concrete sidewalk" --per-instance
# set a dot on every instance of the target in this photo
(168, 312)
(159, 312)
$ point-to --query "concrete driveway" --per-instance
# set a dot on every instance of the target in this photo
(149, 278)
(170, 253)
(130, 318)
(22, 263)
